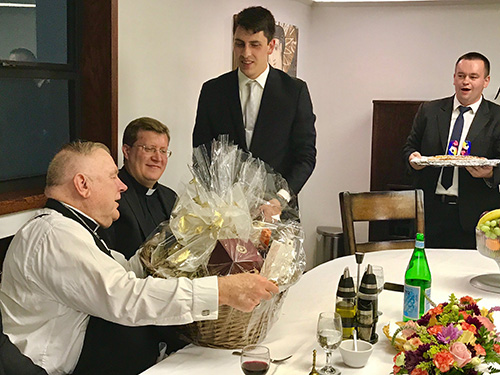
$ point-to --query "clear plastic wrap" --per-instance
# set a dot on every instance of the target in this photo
(217, 228)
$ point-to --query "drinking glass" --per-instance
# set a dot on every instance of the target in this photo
(378, 271)
(255, 360)
(329, 334)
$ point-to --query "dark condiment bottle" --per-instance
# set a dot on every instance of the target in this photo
(367, 309)
(345, 303)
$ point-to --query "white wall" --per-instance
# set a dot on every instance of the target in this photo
(368, 52)
(348, 54)
(168, 48)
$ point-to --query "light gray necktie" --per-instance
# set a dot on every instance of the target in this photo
(251, 111)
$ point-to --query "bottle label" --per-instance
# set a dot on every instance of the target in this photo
(419, 244)
(411, 308)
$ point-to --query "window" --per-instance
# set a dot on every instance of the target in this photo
(57, 83)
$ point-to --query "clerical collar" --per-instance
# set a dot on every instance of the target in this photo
(139, 188)
(92, 224)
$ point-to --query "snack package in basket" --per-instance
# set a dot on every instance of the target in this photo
(217, 228)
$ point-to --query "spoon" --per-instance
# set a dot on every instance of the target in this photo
(355, 340)
(237, 352)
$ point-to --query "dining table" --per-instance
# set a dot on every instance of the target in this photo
(294, 333)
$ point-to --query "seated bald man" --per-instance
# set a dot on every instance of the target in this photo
(57, 273)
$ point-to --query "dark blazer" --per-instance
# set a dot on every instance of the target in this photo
(429, 136)
(130, 230)
(284, 135)
(12, 361)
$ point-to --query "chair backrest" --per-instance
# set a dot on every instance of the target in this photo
(377, 206)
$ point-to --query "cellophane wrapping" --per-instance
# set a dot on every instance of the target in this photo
(221, 207)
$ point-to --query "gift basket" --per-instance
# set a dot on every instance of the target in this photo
(217, 228)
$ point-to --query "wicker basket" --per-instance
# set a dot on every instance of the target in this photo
(235, 329)
(399, 341)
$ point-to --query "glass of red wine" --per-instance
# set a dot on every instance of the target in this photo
(255, 360)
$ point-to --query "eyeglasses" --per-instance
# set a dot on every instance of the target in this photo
(153, 149)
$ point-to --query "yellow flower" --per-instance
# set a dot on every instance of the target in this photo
(467, 337)
(475, 361)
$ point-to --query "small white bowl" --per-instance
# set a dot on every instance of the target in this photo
(358, 358)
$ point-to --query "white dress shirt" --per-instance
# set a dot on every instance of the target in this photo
(54, 277)
(468, 118)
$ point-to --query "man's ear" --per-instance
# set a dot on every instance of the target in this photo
(82, 185)
(270, 46)
(126, 151)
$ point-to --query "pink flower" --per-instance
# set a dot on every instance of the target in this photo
(434, 330)
(486, 323)
(467, 299)
(419, 371)
(410, 329)
(496, 348)
(460, 353)
(443, 360)
(469, 327)
(396, 369)
(479, 349)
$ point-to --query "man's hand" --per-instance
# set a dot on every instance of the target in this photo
(244, 291)
(481, 172)
(271, 210)
(414, 155)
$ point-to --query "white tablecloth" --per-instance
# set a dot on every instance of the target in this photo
(295, 331)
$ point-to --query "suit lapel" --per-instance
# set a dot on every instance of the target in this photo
(266, 105)
(443, 121)
(480, 120)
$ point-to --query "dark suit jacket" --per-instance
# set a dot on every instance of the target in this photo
(429, 136)
(284, 136)
(12, 361)
(129, 231)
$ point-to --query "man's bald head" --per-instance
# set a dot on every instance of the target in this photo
(70, 160)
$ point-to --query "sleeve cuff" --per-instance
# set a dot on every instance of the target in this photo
(284, 194)
(205, 298)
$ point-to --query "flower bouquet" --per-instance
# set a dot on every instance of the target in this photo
(217, 228)
(455, 337)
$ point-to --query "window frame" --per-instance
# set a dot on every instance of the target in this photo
(93, 92)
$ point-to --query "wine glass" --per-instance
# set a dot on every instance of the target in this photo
(378, 271)
(255, 360)
(329, 334)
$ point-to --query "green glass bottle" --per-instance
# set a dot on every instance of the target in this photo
(417, 283)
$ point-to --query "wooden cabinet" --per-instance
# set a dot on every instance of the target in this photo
(392, 122)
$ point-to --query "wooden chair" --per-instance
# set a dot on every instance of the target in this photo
(377, 206)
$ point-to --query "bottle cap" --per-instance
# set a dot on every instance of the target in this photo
(368, 287)
(346, 285)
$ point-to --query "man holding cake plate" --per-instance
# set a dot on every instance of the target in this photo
(464, 124)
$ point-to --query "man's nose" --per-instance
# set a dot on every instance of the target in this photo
(246, 51)
(121, 186)
(157, 155)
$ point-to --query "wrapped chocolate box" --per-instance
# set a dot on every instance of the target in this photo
(232, 256)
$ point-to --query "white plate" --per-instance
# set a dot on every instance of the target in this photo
(465, 162)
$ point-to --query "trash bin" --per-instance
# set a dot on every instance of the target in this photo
(329, 244)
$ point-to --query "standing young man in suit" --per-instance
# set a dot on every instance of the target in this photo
(146, 203)
(456, 197)
(264, 110)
